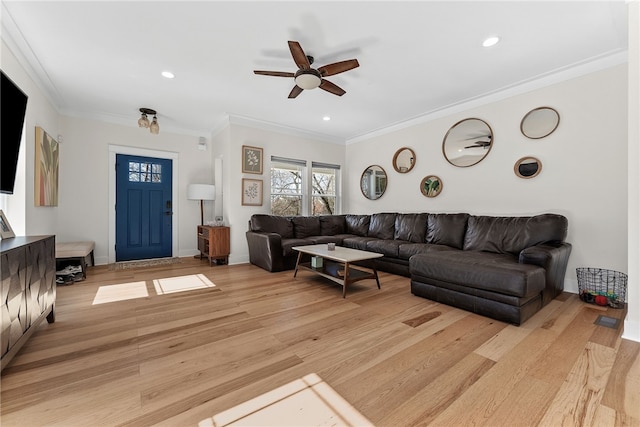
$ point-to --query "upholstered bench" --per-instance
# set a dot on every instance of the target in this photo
(76, 251)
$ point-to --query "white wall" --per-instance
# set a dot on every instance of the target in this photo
(23, 216)
(83, 210)
(632, 322)
(584, 175)
(273, 143)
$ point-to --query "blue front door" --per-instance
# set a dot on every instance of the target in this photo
(143, 207)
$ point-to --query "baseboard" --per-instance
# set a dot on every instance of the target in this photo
(631, 330)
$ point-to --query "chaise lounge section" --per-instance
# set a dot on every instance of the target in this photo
(506, 268)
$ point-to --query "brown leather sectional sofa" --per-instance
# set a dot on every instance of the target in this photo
(506, 268)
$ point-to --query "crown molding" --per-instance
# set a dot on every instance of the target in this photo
(576, 70)
(274, 127)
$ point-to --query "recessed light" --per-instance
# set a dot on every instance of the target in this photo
(168, 74)
(326, 118)
(491, 41)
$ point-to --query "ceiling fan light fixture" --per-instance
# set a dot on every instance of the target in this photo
(308, 79)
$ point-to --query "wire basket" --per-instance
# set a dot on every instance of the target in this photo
(601, 286)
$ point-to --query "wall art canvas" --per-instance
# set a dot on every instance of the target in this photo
(251, 192)
(251, 160)
(46, 169)
(6, 232)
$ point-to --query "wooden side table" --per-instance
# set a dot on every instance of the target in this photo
(214, 242)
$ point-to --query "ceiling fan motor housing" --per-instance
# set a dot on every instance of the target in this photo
(308, 79)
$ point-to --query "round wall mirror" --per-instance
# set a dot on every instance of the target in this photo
(373, 182)
(404, 160)
(539, 122)
(467, 142)
(431, 186)
(527, 167)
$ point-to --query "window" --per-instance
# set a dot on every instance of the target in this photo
(324, 182)
(291, 187)
(145, 172)
(287, 190)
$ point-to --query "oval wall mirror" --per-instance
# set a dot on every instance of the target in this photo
(527, 167)
(467, 142)
(404, 160)
(431, 186)
(373, 182)
(539, 122)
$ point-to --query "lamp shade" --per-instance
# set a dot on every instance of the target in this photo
(201, 192)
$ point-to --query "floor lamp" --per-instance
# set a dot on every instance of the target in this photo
(201, 192)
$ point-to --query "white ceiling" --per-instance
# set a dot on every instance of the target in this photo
(103, 59)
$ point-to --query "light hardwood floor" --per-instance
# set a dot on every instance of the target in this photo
(180, 358)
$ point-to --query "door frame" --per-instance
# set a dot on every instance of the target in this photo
(134, 151)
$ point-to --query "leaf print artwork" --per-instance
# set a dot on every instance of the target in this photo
(47, 163)
(251, 192)
(251, 160)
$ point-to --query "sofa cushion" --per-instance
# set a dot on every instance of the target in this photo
(407, 250)
(358, 225)
(330, 225)
(385, 247)
(357, 242)
(305, 226)
(411, 227)
(447, 229)
(382, 226)
(492, 272)
(325, 239)
(288, 244)
(513, 234)
(281, 225)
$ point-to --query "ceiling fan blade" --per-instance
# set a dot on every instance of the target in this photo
(332, 88)
(297, 90)
(338, 67)
(299, 57)
(274, 73)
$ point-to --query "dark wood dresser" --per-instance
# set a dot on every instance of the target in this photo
(28, 267)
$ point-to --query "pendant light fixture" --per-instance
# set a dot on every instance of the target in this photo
(143, 121)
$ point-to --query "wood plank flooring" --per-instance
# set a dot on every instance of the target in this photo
(178, 359)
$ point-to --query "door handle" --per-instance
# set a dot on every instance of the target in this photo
(168, 213)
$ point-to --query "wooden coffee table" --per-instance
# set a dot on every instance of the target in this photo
(336, 264)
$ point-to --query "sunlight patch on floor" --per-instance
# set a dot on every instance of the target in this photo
(307, 401)
(121, 292)
(182, 283)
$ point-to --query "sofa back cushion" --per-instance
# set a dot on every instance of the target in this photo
(331, 225)
(305, 226)
(272, 224)
(382, 226)
(411, 227)
(447, 229)
(357, 224)
(513, 234)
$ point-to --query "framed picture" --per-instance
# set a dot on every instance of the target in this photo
(5, 228)
(431, 186)
(251, 192)
(251, 160)
(46, 169)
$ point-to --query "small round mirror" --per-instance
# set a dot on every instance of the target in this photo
(373, 182)
(404, 160)
(527, 167)
(467, 142)
(431, 186)
(539, 122)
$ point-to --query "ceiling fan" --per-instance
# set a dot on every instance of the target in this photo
(311, 78)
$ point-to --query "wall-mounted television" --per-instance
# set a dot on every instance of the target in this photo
(13, 107)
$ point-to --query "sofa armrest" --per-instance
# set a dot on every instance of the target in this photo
(553, 257)
(265, 250)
